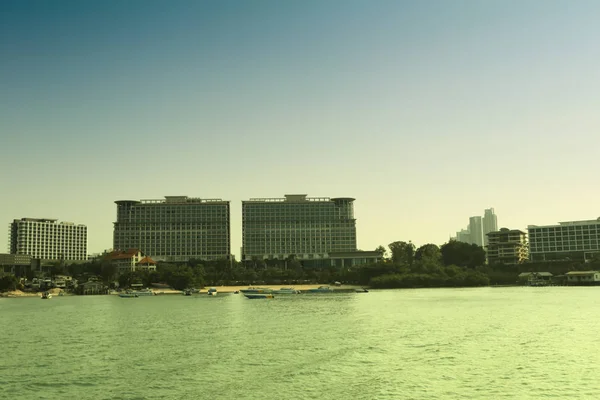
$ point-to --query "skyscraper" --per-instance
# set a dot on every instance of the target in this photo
(177, 228)
(476, 229)
(47, 239)
(490, 224)
(308, 228)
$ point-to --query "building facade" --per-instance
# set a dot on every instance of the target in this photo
(574, 240)
(490, 224)
(296, 225)
(48, 239)
(507, 246)
(476, 229)
(479, 227)
(131, 260)
(177, 228)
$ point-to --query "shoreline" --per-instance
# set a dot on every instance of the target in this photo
(169, 291)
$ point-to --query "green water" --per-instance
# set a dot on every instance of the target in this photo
(488, 343)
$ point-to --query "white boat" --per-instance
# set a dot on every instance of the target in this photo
(144, 292)
(253, 296)
(286, 290)
(212, 291)
(128, 295)
(46, 295)
(256, 290)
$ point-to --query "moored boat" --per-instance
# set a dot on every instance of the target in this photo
(253, 296)
(320, 289)
(128, 294)
(187, 292)
(285, 290)
(255, 290)
(46, 295)
(212, 291)
(361, 290)
(143, 292)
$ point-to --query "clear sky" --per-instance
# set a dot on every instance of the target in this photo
(426, 112)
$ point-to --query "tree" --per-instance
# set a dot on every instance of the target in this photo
(462, 254)
(402, 252)
(108, 271)
(8, 283)
(382, 250)
(428, 252)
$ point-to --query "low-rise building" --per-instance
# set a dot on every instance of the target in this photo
(583, 277)
(507, 246)
(535, 278)
(131, 260)
(15, 264)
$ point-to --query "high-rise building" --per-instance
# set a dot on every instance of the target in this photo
(490, 224)
(178, 228)
(305, 227)
(48, 239)
(464, 235)
(575, 240)
(476, 232)
(507, 246)
(476, 229)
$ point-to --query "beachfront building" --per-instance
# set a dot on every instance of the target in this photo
(308, 229)
(583, 278)
(178, 228)
(15, 264)
(131, 260)
(507, 246)
(47, 239)
(573, 240)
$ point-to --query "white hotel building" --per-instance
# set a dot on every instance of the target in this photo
(48, 239)
(576, 240)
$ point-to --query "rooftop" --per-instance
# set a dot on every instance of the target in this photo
(298, 198)
(568, 223)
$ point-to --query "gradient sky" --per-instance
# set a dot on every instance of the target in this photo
(426, 112)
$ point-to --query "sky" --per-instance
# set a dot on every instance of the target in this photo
(426, 112)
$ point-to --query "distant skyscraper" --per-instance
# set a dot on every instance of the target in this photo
(476, 229)
(47, 239)
(476, 232)
(463, 236)
(490, 224)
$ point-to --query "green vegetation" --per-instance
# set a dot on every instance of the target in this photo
(9, 283)
(454, 264)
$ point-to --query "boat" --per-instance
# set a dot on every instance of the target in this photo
(286, 290)
(144, 292)
(128, 294)
(187, 292)
(46, 295)
(212, 291)
(256, 290)
(253, 296)
(361, 290)
(320, 289)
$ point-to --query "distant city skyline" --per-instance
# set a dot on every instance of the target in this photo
(478, 228)
(425, 112)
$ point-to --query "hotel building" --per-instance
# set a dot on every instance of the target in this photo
(48, 239)
(307, 228)
(507, 246)
(575, 240)
(178, 228)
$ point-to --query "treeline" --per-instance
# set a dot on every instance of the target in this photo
(454, 264)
